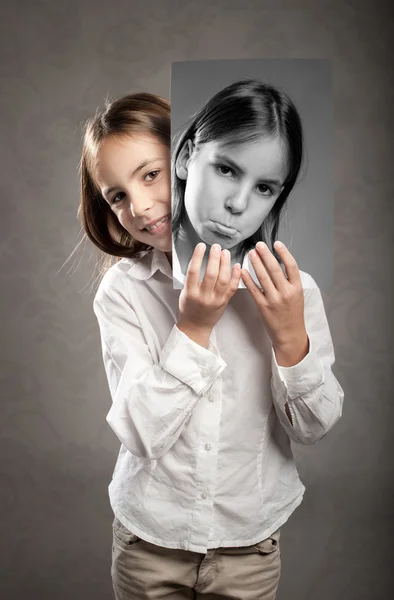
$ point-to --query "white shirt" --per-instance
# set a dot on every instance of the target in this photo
(205, 458)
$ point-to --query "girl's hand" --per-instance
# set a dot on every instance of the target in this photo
(281, 301)
(202, 304)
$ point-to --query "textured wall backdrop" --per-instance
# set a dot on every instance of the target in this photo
(58, 61)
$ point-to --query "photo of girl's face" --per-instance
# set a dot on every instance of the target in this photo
(230, 190)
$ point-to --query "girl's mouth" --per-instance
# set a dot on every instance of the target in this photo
(225, 230)
(222, 230)
(159, 227)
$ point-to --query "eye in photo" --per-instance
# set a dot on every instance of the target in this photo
(243, 134)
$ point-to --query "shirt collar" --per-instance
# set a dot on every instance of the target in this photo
(149, 263)
(153, 260)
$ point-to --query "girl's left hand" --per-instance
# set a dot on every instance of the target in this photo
(281, 301)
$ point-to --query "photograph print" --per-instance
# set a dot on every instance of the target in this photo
(251, 153)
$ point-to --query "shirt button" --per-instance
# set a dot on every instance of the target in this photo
(204, 495)
(207, 446)
(205, 372)
(211, 398)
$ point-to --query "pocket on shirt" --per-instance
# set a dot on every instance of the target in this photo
(122, 535)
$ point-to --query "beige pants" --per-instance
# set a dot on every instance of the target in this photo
(141, 570)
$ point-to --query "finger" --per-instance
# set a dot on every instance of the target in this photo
(292, 270)
(212, 268)
(192, 280)
(272, 266)
(224, 271)
(234, 281)
(257, 294)
(262, 275)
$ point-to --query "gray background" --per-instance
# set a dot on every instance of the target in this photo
(57, 62)
(307, 221)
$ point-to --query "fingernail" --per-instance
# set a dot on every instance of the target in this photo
(261, 245)
(278, 244)
(216, 247)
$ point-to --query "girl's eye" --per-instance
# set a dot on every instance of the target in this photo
(153, 173)
(224, 170)
(114, 200)
(265, 190)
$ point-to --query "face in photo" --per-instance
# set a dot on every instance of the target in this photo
(230, 189)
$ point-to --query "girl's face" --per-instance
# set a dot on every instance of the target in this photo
(230, 190)
(134, 174)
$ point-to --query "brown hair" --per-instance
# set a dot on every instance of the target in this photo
(134, 113)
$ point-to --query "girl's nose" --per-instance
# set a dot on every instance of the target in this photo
(140, 202)
(238, 200)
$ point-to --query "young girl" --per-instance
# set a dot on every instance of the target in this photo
(208, 386)
(233, 170)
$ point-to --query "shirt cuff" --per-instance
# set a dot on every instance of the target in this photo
(191, 363)
(298, 379)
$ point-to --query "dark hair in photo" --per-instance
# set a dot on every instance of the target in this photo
(134, 113)
(239, 113)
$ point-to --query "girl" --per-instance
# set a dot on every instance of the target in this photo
(233, 170)
(208, 387)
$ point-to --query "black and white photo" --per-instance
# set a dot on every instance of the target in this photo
(239, 159)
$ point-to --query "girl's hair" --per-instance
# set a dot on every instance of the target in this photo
(239, 113)
(134, 113)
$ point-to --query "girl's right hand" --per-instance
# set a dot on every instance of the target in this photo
(202, 304)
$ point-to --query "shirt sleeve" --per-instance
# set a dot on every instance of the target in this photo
(151, 400)
(310, 388)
